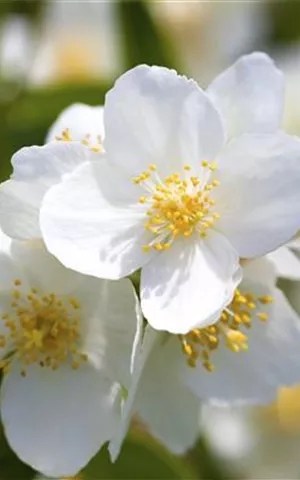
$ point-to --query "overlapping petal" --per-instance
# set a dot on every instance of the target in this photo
(113, 328)
(253, 377)
(140, 356)
(94, 224)
(249, 95)
(82, 121)
(154, 116)
(189, 284)
(259, 198)
(286, 262)
(168, 408)
(36, 169)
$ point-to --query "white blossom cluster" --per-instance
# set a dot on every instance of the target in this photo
(140, 248)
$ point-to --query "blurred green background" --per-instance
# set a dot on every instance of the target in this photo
(54, 53)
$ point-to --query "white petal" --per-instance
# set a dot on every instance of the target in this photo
(36, 169)
(259, 195)
(57, 421)
(5, 242)
(113, 325)
(94, 224)
(142, 354)
(253, 377)
(152, 115)
(187, 285)
(250, 95)
(42, 270)
(168, 408)
(81, 120)
(259, 275)
(286, 263)
(10, 271)
(19, 208)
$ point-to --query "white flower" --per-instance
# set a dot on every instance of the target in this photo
(243, 359)
(35, 170)
(173, 198)
(65, 345)
(79, 122)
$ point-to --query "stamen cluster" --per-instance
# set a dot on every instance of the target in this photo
(199, 344)
(178, 205)
(67, 137)
(42, 329)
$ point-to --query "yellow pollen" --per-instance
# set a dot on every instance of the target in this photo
(41, 330)
(263, 316)
(180, 205)
(266, 299)
(230, 331)
(215, 183)
(75, 304)
(67, 137)
(213, 166)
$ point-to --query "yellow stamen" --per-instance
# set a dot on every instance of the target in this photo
(42, 330)
(229, 331)
(178, 205)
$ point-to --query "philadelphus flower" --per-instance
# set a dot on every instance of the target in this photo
(75, 138)
(174, 196)
(65, 346)
(242, 359)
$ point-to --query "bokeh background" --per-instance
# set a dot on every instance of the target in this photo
(54, 53)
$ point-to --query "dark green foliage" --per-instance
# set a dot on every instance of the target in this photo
(141, 40)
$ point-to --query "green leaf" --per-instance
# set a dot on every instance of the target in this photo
(142, 41)
(11, 467)
(140, 458)
(283, 18)
(206, 463)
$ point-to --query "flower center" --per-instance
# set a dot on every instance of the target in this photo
(67, 137)
(178, 205)
(41, 329)
(230, 330)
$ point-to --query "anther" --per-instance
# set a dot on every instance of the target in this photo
(262, 316)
